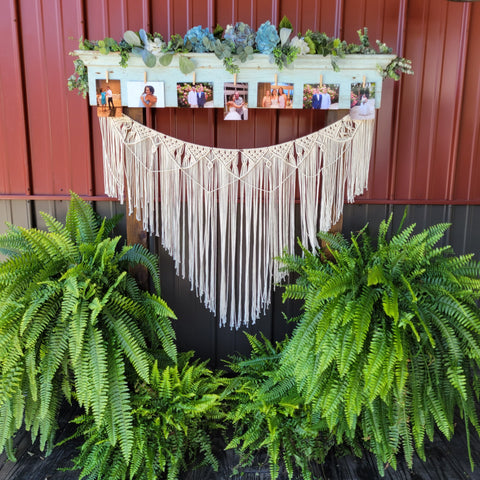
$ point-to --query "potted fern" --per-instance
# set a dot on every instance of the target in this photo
(387, 347)
(74, 325)
(176, 418)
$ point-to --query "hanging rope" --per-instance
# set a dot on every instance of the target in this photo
(224, 215)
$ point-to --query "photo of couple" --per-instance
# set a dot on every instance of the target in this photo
(362, 101)
(141, 95)
(236, 101)
(109, 100)
(195, 95)
(271, 95)
(321, 97)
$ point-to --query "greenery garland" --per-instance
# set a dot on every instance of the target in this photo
(233, 44)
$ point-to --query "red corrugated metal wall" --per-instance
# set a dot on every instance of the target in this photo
(427, 137)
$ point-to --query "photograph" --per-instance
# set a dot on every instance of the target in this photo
(195, 95)
(145, 95)
(321, 97)
(271, 95)
(362, 101)
(236, 101)
(109, 100)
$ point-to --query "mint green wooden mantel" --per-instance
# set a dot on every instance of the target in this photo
(307, 69)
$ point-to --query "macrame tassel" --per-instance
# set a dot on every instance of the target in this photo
(230, 213)
(361, 152)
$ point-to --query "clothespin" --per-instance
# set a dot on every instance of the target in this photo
(364, 81)
(234, 79)
(145, 76)
(276, 79)
(194, 78)
(321, 80)
(106, 76)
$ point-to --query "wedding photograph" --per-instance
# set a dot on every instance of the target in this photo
(109, 99)
(271, 95)
(362, 101)
(236, 101)
(321, 96)
(145, 95)
(195, 95)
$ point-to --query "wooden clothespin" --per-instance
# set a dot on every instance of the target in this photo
(234, 79)
(364, 81)
(106, 76)
(276, 79)
(194, 78)
(321, 80)
(145, 76)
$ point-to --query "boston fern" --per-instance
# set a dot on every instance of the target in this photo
(272, 416)
(388, 345)
(74, 323)
(174, 420)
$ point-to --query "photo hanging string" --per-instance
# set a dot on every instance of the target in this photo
(224, 215)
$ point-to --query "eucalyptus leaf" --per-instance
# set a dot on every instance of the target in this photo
(137, 51)
(132, 38)
(143, 36)
(186, 65)
(166, 59)
(149, 59)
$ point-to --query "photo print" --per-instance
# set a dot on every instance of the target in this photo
(321, 96)
(236, 101)
(145, 95)
(362, 101)
(109, 99)
(271, 95)
(195, 95)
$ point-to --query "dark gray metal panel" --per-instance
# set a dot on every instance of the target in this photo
(197, 328)
(16, 212)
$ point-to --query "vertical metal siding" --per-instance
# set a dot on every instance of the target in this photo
(426, 146)
(14, 158)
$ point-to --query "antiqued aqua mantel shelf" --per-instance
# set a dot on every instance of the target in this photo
(208, 68)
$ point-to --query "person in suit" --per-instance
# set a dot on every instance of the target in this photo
(316, 99)
(326, 99)
(192, 97)
(201, 97)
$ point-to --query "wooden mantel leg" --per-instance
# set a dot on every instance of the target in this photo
(135, 232)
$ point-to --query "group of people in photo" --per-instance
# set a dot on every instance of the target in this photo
(276, 98)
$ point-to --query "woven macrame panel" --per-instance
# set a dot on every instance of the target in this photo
(225, 215)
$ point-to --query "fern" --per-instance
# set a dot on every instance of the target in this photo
(74, 324)
(268, 413)
(173, 421)
(387, 346)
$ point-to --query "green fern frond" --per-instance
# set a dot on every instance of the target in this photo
(119, 403)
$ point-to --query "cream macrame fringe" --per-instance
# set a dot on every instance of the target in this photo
(224, 215)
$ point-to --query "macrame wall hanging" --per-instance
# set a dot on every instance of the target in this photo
(224, 215)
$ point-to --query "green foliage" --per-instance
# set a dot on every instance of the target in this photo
(388, 344)
(285, 23)
(284, 55)
(270, 414)
(236, 43)
(79, 79)
(74, 323)
(174, 419)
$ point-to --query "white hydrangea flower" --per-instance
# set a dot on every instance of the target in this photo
(155, 47)
(301, 44)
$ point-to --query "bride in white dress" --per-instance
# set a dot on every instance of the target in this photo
(232, 111)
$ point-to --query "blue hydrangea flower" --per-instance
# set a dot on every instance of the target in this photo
(241, 35)
(195, 36)
(267, 38)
